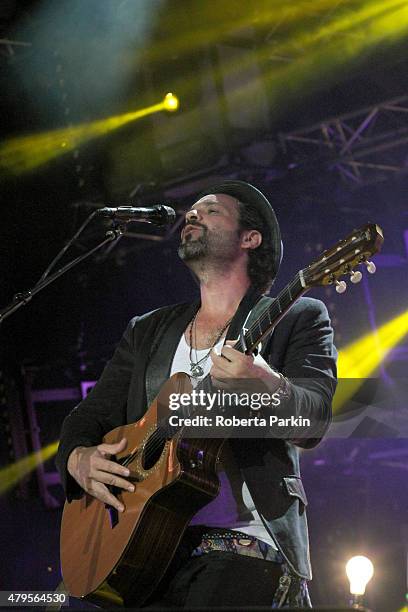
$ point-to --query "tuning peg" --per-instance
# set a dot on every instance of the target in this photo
(355, 276)
(341, 286)
(371, 267)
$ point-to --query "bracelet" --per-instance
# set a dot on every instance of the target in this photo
(284, 390)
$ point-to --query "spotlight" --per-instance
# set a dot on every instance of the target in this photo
(170, 102)
(359, 571)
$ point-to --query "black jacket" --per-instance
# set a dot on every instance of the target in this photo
(301, 347)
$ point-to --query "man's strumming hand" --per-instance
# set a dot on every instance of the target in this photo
(92, 470)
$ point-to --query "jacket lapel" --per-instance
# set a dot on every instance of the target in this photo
(158, 369)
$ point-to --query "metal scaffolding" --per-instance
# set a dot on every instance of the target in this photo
(365, 146)
(7, 46)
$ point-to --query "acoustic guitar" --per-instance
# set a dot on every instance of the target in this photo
(114, 558)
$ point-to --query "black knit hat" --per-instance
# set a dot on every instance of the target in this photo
(248, 194)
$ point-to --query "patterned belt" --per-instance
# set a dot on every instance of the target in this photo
(292, 590)
(237, 542)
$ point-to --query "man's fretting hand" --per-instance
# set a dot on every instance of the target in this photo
(234, 370)
(92, 470)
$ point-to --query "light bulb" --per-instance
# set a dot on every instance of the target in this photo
(359, 571)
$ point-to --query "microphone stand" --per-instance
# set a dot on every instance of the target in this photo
(22, 299)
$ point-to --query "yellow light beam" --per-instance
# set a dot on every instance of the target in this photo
(361, 359)
(359, 27)
(210, 31)
(12, 474)
(27, 152)
(316, 56)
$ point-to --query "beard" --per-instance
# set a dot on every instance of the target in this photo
(214, 246)
(194, 249)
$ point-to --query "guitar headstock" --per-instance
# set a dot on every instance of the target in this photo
(354, 250)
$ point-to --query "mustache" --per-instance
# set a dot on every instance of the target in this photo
(193, 223)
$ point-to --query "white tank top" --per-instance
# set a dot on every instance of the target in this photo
(233, 508)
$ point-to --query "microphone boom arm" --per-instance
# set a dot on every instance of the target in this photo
(158, 215)
(22, 299)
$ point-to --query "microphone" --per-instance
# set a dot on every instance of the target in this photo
(158, 215)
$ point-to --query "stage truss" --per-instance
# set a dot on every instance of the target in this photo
(365, 146)
(8, 47)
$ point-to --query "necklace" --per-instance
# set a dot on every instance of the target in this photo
(196, 368)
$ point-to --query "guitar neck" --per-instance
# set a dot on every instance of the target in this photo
(267, 320)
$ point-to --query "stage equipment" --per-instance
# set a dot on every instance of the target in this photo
(364, 146)
(13, 442)
(359, 571)
(171, 102)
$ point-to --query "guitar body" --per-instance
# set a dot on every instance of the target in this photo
(115, 558)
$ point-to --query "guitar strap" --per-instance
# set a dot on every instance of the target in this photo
(250, 309)
(247, 303)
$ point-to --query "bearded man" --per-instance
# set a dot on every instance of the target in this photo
(249, 546)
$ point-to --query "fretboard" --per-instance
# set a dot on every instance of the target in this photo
(271, 315)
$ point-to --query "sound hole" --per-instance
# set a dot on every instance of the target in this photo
(152, 451)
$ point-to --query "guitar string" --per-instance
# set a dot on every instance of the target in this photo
(159, 436)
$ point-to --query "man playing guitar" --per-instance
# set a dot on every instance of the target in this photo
(249, 546)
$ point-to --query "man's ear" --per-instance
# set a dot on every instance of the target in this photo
(251, 239)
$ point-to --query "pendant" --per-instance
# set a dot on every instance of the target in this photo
(196, 370)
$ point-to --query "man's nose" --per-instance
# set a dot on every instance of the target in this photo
(192, 215)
